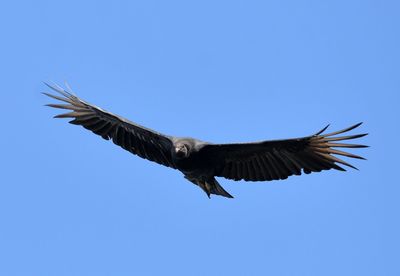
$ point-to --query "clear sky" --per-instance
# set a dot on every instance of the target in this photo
(72, 203)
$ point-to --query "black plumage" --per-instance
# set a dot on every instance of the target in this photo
(201, 162)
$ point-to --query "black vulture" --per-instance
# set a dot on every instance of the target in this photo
(201, 162)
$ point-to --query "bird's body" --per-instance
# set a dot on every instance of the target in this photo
(201, 162)
(197, 167)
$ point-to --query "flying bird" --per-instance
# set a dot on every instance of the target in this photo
(199, 161)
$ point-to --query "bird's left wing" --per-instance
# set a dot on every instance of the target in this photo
(278, 159)
(134, 138)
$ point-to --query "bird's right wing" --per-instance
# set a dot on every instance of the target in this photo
(137, 139)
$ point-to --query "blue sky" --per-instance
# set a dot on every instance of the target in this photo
(221, 71)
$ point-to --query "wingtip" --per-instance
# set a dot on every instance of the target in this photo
(322, 130)
(69, 89)
(364, 146)
(54, 86)
(48, 94)
(48, 85)
(346, 130)
(353, 167)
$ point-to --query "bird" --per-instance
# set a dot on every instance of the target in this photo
(201, 162)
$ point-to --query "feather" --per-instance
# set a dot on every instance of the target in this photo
(343, 130)
(350, 137)
(72, 114)
(321, 131)
(342, 145)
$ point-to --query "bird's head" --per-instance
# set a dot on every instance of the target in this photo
(181, 150)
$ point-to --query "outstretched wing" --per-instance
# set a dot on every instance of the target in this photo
(132, 137)
(278, 159)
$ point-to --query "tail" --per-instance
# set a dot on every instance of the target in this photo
(210, 186)
(216, 189)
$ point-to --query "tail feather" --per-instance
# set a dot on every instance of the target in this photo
(217, 189)
(209, 186)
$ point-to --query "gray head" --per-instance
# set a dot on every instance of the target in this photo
(181, 150)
